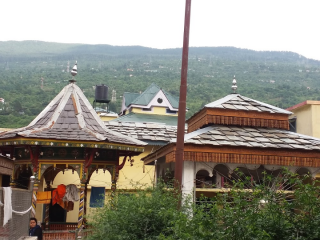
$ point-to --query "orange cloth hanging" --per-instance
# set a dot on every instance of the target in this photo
(44, 197)
(58, 194)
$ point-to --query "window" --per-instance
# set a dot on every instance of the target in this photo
(170, 111)
(293, 124)
(147, 109)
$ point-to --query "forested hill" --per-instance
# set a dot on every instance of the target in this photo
(279, 78)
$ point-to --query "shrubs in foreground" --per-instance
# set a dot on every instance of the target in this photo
(248, 211)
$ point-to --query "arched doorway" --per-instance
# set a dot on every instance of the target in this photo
(221, 174)
(51, 179)
(204, 180)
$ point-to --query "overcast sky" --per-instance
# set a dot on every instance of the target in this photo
(282, 25)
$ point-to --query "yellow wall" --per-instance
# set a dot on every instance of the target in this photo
(308, 119)
(155, 110)
(100, 179)
(5, 129)
(107, 118)
(315, 120)
(304, 119)
(130, 177)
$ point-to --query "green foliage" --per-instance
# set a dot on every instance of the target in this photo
(279, 78)
(261, 212)
(145, 214)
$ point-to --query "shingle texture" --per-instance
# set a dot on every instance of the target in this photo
(151, 118)
(153, 133)
(251, 137)
(238, 102)
(70, 116)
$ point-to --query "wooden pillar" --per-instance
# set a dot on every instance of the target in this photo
(35, 164)
(81, 204)
(34, 198)
(85, 203)
(13, 183)
(113, 191)
(46, 218)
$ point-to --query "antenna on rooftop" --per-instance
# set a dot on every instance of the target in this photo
(41, 80)
(68, 66)
(234, 84)
(114, 95)
(74, 72)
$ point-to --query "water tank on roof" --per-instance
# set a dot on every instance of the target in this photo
(101, 93)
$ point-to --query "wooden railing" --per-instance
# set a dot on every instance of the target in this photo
(61, 231)
(59, 235)
(62, 226)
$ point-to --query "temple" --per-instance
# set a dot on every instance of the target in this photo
(66, 137)
(236, 132)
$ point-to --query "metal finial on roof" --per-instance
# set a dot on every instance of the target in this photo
(234, 84)
(74, 72)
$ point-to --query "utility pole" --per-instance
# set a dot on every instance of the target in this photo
(182, 100)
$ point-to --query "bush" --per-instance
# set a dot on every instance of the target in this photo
(265, 211)
(144, 214)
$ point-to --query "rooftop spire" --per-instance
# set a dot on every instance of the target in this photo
(234, 84)
(74, 72)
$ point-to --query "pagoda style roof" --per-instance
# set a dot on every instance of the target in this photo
(70, 116)
(238, 102)
(235, 109)
(237, 129)
(251, 137)
(231, 144)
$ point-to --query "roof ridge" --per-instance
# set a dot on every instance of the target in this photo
(268, 105)
(224, 100)
(145, 92)
(168, 96)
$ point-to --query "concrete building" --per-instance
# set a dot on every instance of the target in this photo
(305, 118)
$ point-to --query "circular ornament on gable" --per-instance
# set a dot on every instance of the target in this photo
(62, 152)
(159, 100)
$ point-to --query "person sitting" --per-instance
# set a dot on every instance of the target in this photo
(35, 230)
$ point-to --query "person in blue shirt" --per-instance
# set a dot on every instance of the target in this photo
(35, 230)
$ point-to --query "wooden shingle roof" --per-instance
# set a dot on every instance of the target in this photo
(238, 102)
(219, 135)
(152, 133)
(147, 118)
(70, 116)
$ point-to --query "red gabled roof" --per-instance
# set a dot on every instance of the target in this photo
(307, 102)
